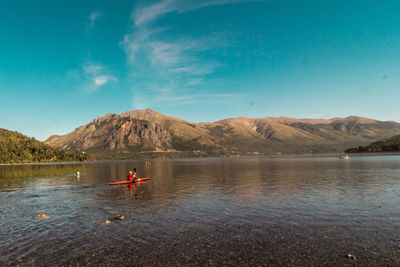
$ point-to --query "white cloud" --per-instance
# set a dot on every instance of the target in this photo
(100, 80)
(196, 69)
(178, 56)
(152, 12)
(93, 17)
(130, 47)
(194, 82)
(144, 38)
(141, 101)
(165, 53)
(166, 67)
(92, 68)
(96, 75)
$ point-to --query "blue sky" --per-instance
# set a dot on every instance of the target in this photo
(64, 63)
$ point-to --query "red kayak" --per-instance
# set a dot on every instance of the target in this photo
(138, 180)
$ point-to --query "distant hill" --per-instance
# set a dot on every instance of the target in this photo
(18, 148)
(391, 144)
(147, 133)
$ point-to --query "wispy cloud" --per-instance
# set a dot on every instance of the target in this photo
(92, 68)
(194, 82)
(93, 17)
(96, 75)
(170, 67)
(156, 10)
(141, 101)
(103, 79)
(169, 61)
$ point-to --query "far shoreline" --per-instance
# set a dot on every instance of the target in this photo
(275, 156)
(47, 163)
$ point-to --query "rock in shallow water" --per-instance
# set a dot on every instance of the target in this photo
(120, 218)
(351, 257)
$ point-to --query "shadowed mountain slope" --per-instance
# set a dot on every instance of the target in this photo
(148, 131)
(391, 144)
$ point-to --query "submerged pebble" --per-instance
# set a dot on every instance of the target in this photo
(351, 257)
(120, 218)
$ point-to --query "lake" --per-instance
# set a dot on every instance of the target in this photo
(263, 211)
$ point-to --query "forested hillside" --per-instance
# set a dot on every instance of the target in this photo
(18, 148)
(391, 144)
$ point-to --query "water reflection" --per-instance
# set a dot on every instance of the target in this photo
(326, 205)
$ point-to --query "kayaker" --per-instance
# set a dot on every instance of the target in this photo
(134, 174)
(130, 176)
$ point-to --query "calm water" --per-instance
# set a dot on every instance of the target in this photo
(204, 212)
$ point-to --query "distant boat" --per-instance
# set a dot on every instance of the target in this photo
(344, 157)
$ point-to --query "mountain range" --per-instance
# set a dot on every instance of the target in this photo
(147, 133)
